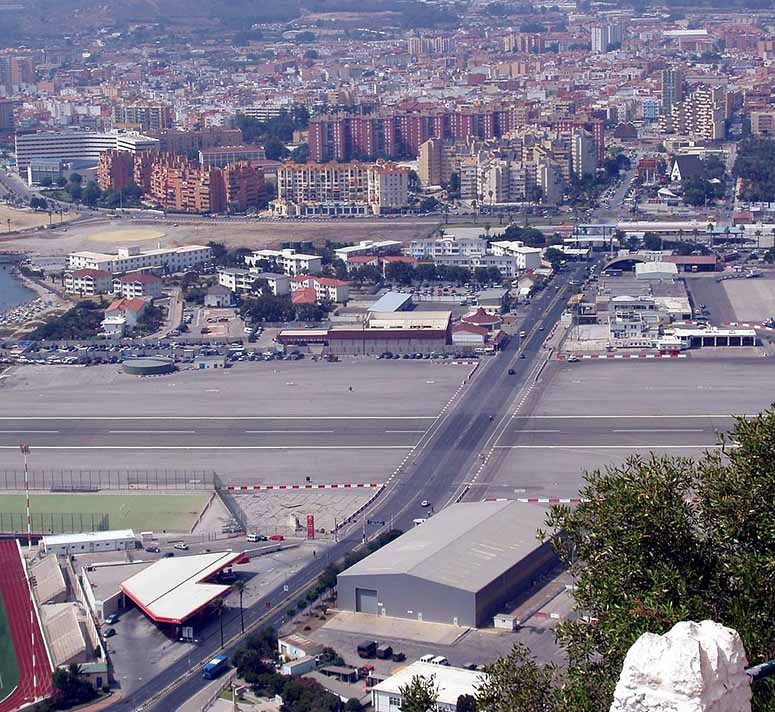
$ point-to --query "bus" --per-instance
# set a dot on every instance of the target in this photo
(215, 667)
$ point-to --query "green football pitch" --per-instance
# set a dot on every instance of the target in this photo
(9, 670)
(155, 512)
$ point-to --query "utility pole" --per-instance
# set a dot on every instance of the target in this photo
(25, 448)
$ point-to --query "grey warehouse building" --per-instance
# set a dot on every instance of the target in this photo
(459, 567)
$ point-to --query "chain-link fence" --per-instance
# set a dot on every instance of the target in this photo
(54, 522)
(62, 480)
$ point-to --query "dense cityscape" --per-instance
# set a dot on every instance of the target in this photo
(389, 356)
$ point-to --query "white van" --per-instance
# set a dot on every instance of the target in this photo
(427, 658)
(440, 660)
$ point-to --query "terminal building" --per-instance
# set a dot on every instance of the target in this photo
(461, 567)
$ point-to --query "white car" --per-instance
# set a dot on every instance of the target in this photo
(182, 546)
(425, 503)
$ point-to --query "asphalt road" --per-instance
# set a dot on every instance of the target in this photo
(442, 462)
(213, 432)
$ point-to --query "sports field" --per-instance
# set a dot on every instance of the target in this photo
(140, 512)
(9, 670)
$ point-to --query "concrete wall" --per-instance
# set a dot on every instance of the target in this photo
(406, 596)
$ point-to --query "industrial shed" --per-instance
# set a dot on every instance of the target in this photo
(459, 567)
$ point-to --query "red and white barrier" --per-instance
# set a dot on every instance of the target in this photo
(268, 488)
(594, 357)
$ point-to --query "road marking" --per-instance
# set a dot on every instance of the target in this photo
(536, 431)
(152, 432)
(218, 417)
(29, 431)
(303, 432)
(405, 431)
(609, 447)
(213, 447)
(631, 417)
(660, 430)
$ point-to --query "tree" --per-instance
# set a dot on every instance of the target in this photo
(46, 181)
(70, 688)
(91, 193)
(353, 705)
(301, 153)
(466, 703)
(400, 272)
(61, 181)
(555, 257)
(218, 605)
(517, 683)
(218, 250)
(76, 178)
(420, 694)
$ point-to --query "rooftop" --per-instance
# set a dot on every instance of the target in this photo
(465, 546)
(450, 681)
(64, 539)
(172, 590)
(390, 302)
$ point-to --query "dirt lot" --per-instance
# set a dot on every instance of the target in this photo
(90, 234)
(25, 219)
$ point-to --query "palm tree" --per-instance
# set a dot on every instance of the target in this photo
(239, 587)
(218, 606)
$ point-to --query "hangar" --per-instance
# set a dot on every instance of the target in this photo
(459, 567)
(172, 590)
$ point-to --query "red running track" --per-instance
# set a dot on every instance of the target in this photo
(16, 599)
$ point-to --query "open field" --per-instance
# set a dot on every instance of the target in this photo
(178, 230)
(25, 219)
(139, 234)
(140, 512)
(9, 669)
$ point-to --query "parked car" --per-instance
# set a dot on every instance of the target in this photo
(109, 633)
(152, 549)
(276, 537)
(112, 619)
(182, 546)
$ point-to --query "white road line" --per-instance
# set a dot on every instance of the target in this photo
(660, 430)
(151, 432)
(537, 431)
(302, 432)
(29, 431)
(213, 447)
(616, 417)
(218, 417)
(609, 447)
(405, 431)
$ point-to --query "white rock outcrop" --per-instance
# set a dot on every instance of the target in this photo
(695, 667)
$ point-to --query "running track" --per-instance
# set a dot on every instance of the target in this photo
(16, 598)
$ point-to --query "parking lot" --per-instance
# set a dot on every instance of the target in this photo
(591, 414)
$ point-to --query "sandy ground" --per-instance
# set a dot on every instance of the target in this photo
(89, 234)
(25, 219)
(121, 236)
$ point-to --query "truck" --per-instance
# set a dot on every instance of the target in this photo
(367, 649)
(213, 668)
(384, 652)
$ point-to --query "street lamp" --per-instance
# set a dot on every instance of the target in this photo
(25, 450)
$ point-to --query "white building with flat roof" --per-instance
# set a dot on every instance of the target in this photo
(89, 542)
(287, 261)
(77, 145)
(526, 257)
(451, 683)
(369, 247)
(131, 259)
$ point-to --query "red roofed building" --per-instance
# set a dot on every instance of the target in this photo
(326, 288)
(137, 284)
(482, 319)
(122, 315)
(88, 281)
(305, 295)
(357, 261)
(469, 335)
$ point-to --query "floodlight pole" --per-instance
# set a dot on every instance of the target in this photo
(25, 448)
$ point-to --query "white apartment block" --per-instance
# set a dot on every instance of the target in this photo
(138, 285)
(326, 288)
(88, 282)
(77, 145)
(447, 246)
(132, 259)
(369, 247)
(287, 261)
(526, 257)
(507, 265)
(242, 280)
(340, 188)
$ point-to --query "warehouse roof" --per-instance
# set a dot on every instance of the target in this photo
(464, 546)
(172, 590)
(391, 302)
(64, 539)
(451, 682)
(409, 320)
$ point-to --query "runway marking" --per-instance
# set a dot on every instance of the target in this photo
(660, 430)
(213, 447)
(151, 432)
(405, 431)
(609, 447)
(302, 432)
(218, 417)
(29, 431)
(631, 417)
(537, 431)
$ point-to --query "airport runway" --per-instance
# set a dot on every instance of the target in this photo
(657, 432)
(213, 432)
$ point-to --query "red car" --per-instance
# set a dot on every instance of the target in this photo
(276, 537)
